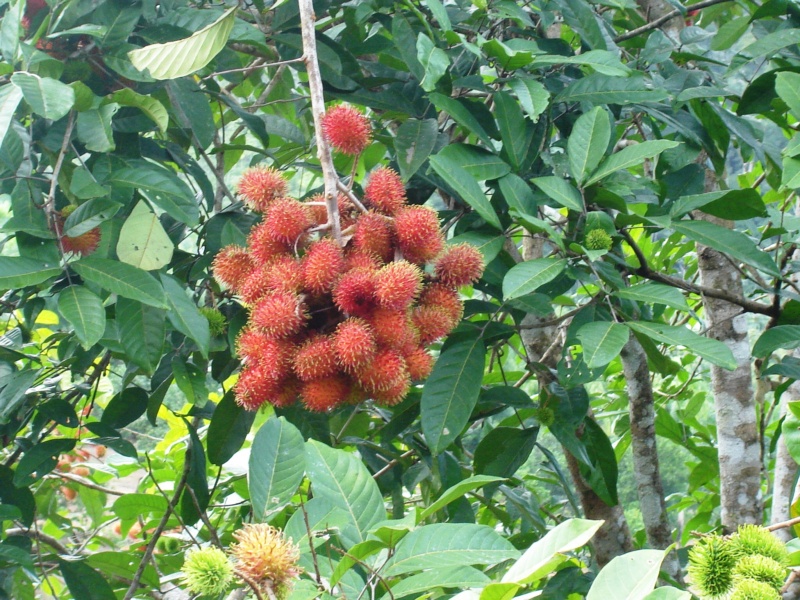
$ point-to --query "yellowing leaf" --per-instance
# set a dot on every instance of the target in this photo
(143, 242)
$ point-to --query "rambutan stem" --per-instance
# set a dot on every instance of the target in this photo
(351, 196)
(307, 20)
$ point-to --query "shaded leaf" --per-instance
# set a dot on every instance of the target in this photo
(629, 157)
(561, 191)
(775, 338)
(602, 341)
(84, 311)
(228, 430)
(184, 314)
(47, 97)
(142, 330)
(19, 272)
(122, 279)
(466, 187)
(85, 582)
(457, 491)
(712, 350)
(588, 142)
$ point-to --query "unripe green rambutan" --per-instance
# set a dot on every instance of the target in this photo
(598, 239)
(545, 415)
(216, 320)
(754, 539)
(760, 568)
(747, 589)
(711, 562)
(207, 571)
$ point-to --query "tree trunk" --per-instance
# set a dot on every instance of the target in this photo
(645, 453)
(785, 473)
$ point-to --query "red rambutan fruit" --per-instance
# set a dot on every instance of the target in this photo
(286, 393)
(316, 359)
(433, 323)
(83, 244)
(260, 185)
(383, 372)
(398, 284)
(444, 297)
(354, 343)
(283, 274)
(419, 363)
(373, 235)
(319, 213)
(279, 315)
(274, 356)
(392, 328)
(459, 265)
(255, 286)
(263, 245)
(417, 233)
(356, 259)
(286, 220)
(231, 265)
(322, 265)
(347, 129)
(254, 387)
(385, 191)
(321, 395)
(354, 292)
(395, 393)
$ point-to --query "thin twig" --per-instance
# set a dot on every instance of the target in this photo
(351, 196)
(656, 23)
(783, 524)
(37, 535)
(253, 585)
(392, 463)
(85, 483)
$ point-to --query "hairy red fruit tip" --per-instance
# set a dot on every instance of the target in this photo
(254, 387)
(354, 343)
(321, 395)
(346, 129)
(373, 235)
(446, 298)
(274, 357)
(260, 186)
(322, 265)
(385, 191)
(398, 284)
(316, 359)
(392, 328)
(395, 393)
(459, 265)
(231, 266)
(263, 246)
(419, 363)
(281, 274)
(418, 235)
(433, 323)
(354, 293)
(286, 220)
(83, 244)
(279, 315)
(383, 372)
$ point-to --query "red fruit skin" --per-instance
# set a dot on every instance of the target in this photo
(316, 359)
(231, 266)
(395, 393)
(354, 292)
(417, 233)
(385, 191)
(384, 372)
(254, 387)
(321, 395)
(274, 357)
(284, 275)
(356, 259)
(279, 315)
(398, 284)
(322, 265)
(255, 286)
(287, 393)
(354, 343)
(286, 220)
(263, 246)
(373, 235)
(346, 129)
(443, 297)
(432, 322)
(84, 244)
(419, 363)
(459, 265)
(392, 328)
(260, 185)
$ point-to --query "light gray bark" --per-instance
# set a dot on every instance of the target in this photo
(645, 453)
(785, 473)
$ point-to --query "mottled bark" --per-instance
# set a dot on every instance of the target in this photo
(738, 443)
(655, 9)
(785, 473)
(646, 468)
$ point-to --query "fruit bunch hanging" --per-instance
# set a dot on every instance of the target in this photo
(333, 323)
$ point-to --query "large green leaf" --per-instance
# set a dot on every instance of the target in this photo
(449, 545)
(14, 391)
(162, 187)
(89, 215)
(602, 342)
(600, 89)
(631, 576)
(142, 329)
(457, 491)
(121, 279)
(782, 336)
(413, 144)
(342, 479)
(561, 191)
(529, 276)
(10, 95)
(515, 131)
(434, 60)
(84, 582)
(725, 204)
(147, 104)
(131, 506)
(588, 142)
(544, 555)
(122, 564)
(84, 311)
(504, 450)
(19, 272)
(461, 115)
(47, 97)
(518, 194)
(228, 429)
(532, 95)
(629, 157)
(732, 243)
(654, 293)
(787, 85)
(143, 242)
(94, 128)
(124, 408)
(479, 163)
(183, 57)
(276, 467)
(452, 391)
(439, 577)
(668, 593)
(712, 350)
(466, 187)
(40, 459)
(184, 314)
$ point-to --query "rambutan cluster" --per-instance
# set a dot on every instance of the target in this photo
(329, 324)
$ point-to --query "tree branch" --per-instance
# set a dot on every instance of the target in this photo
(40, 537)
(656, 23)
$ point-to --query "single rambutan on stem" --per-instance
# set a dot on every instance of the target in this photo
(307, 20)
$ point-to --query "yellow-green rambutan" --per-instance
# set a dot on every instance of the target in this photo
(747, 589)
(598, 239)
(760, 568)
(216, 320)
(711, 562)
(754, 539)
(207, 571)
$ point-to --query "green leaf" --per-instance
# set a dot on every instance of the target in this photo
(184, 314)
(668, 593)
(732, 243)
(449, 545)
(228, 430)
(499, 591)
(461, 115)
(532, 96)
(143, 242)
(712, 350)
(18, 272)
(14, 391)
(479, 163)
(196, 480)
(413, 144)
(121, 279)
(504, 450)
(342, 479)
(451, 391)
(602, 61)
(433, 59)
(47, 97)
(767, 45)
(40, 459)
(162, 187)
(142, 329)
(466, 187)
(457, 491)
(631, 576)
(629, 157)
(94, 128)
(489, 245)
(84, 582)
(561, 191)
(147, 104)
(89, 215)
(518, 194)
(132, 506)
(529, 276)
(654, 293)
(440, 577)
(122, 564)
(725, 204)
(124, 408)
(10, 96)
(323, 516)
(84, 311)
(15, 555)
(544, 555)
(354, 556)
(515, 131)
(191, 381)
(602, 341)
(782, 336)
(276, 467)
(601, 89)
(183, 57)
(588, 142)
(786, 85)
(729, 33)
